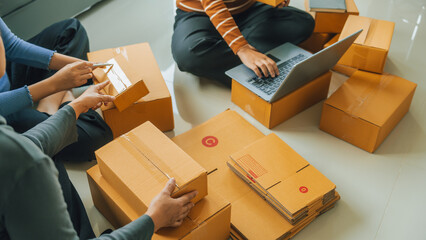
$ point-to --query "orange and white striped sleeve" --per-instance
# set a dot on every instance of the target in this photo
(224, 22)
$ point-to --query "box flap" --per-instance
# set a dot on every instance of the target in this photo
(371, 97)
(269, 160)
(353, 24)
(376, 33)
(142, 60)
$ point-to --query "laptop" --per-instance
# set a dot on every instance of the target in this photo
(297, 67)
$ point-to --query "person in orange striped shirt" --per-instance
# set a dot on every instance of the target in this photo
(212, 36)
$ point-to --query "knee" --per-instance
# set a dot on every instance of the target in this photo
(306, 24)
(193, 55)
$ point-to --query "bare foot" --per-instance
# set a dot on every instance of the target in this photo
(50, 104)
(68, 97)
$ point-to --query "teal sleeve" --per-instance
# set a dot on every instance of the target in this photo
(56, 132)
(140, 229)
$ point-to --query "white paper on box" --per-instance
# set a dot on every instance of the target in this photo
(117, 77)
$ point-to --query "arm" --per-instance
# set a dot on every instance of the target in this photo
(18, 50)
(36, 204)
(56, 132)
(60, 130)
(225, 24)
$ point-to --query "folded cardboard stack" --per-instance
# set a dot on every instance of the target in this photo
(134, 168)
(282, 177)
(365, 109)
(140, 90)
(212, 144)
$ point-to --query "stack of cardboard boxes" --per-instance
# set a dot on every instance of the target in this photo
(365, 109)
(327, 26)
(134, 168)
(289, 193)
(145, 98)
(215, 143)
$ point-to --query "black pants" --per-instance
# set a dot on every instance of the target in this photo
(198, 48)
(70, 38)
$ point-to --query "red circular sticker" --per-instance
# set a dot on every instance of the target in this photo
(210, 141)
(303, 189)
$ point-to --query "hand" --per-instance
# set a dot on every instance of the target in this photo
(166, 211)
(72, 75)
(255, 60)
(92, 98)
(283, 4)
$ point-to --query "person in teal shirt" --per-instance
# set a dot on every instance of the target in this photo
(31, 203)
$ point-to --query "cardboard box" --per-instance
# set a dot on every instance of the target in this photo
(211, 144)
(370, 49)
(139, 163)
(155, 107)
(209, 219)
(331, 22)
(282, 177)
(118, 74)
(272, 114)
(273, 3)
(316, 42)
(332, 41)
(365, 109)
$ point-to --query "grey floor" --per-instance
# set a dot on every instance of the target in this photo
(383, 194)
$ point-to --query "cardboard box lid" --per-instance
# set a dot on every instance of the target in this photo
(376, 33)
(144, 159)
(269, 160)
(142, 60)
(128, 70)
(282, 173)
(371, 97)
(212, 137)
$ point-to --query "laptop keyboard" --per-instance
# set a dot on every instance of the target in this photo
(270, 85)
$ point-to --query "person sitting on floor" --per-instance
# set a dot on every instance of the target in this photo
(31, 203)
(28, 80)
(36, 74)
(213, 36)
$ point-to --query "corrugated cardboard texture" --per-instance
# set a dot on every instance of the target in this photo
(316, 42)
(272, 114)
(139, 163)
(229, 132)
(366, 108)
(209, 219)
(332, 22)
(369, 52)
(155, 107)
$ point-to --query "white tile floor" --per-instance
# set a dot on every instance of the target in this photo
(383, 194)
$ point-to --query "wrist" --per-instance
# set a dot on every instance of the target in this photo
(154, 219)
(78, 107)
(53, 85)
